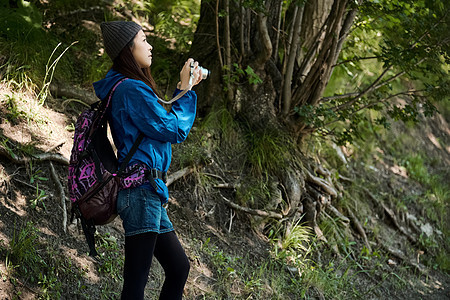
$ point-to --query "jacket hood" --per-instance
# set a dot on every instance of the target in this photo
(102, 87)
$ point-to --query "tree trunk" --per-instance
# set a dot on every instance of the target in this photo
(254, 34)
(292, 53)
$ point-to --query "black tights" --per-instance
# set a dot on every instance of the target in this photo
(139, 250)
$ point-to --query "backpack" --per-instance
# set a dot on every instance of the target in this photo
(94, 171)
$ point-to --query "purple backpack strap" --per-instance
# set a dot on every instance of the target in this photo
(111, 92)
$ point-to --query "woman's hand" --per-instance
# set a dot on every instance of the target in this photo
(185, 74)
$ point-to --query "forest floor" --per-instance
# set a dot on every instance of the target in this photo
(217, 240)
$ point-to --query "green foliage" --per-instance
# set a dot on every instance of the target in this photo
(237, 75)
(246, 278)
(43, 266)
(267, 151)
(414, 163)
(14, 114)
(24, 41)
(222, 262)
(222, 125)
(111, 256)
(39, 198)
(294, 247)
(23, 255)
(175, 20)
(35, 174)
(49, 73)
(400, 44)
(253, 191)
(194, 153)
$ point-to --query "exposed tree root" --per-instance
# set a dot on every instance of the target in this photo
(24, 183)
(70, 91)
(225, 186)
(399, 255)
(256, 212)
(392, 216)
(52, 157)
(337, 214)
(178, 174)
(359, 229)
(326, 186)
(62, 195)
(41, 157)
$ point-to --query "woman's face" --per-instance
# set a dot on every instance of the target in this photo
(142, 50)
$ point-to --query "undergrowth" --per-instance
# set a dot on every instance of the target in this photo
(28, 260)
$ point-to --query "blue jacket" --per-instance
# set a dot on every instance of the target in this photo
(135, 109)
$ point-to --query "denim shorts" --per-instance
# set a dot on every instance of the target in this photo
(141, 211)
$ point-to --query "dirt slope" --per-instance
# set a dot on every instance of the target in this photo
(197, 219)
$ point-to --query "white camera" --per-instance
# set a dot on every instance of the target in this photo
(205, 72)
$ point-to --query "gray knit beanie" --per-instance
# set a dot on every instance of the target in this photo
(117, 34)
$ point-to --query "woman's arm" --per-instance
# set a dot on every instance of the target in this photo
(153, 120)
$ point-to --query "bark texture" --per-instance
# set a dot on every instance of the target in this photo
(293, 51)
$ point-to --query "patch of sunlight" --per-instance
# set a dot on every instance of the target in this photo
(399, 170)
(47, 231)
(434, 140)
(83, 262)
(19, 206)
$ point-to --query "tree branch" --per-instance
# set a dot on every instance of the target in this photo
(409, 92)
(219, 50)
(277, 30)
(287, 83)
(363, 93)
(345, 30)
(227, 34)
(356, 58)
(241, 28)
(266, 52)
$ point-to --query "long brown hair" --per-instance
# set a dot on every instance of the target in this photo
(125, 64)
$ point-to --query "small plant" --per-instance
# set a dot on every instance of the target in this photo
(50, 286)
(248, 73)
(111, 257)
(14, 114)
(40, 196)
(253, 192)
(224, 265)
(221, 121)
(416, 168)
(294, 247)
(267, 152)
(35, 174)
(50, 71)
(23, 256)
(6, 144)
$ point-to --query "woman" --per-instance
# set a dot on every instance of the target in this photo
(135, 109)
